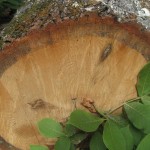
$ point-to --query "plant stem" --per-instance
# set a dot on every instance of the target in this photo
(132, 100)
(129, 101)
(101, 114)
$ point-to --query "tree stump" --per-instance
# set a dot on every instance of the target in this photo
(46, 72)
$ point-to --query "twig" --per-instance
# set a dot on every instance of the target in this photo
(101, 114)
(129, 101)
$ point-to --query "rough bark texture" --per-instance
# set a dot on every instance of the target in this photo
(37, 14)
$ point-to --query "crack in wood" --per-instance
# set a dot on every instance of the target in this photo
(36, 104)
(41, 104)
(106, 52)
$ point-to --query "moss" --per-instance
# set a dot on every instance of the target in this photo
(42, 13)
(39, 11)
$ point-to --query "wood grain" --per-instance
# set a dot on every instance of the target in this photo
(45, 72)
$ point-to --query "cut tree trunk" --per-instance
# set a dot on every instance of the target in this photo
(46, 72)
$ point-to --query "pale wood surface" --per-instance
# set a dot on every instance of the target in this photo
(64, 62)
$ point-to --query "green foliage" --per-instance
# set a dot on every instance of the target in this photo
(96, 142)
(120, 120)
(72, 147)
(139, 115)
(145, 100)
(103, 130)
(145, 143)
(89, 121)
(70, 130)
(7, 7)
(63, 143)
(78, 138)
(128, 137)
(50, 128)
(137, 135)
(113, 137)
(12, 4)
(143, 85)
(38, 147)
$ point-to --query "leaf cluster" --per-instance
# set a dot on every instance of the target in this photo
(105, 131)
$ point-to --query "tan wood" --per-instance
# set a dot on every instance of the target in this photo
(44, 71)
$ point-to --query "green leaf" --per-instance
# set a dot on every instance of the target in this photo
(72, 147)
(120, 120)
(50, 128)
(145, 143)
(137, 135)
(85, 121)
(63, 143)
(143, 84)
(113, 137)
(70, 130)
(139, 115)
(96, 142)
(145, 100)
(38, 147)
(128, 137)
(78, 138)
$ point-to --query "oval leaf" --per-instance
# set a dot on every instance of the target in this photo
(70, 130)
(38, 147)
(137, 135)
(145, 100)
(50, 128)
(96, 142)
(143, 84)
(128, 137)
(78, 138)
(120, 120)
(145, 143)
(72, 147)
(139, 115)
(85, 121)
(112, 136)
(63, 143)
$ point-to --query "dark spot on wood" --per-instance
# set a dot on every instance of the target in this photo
(106, 52)
(12, 57)
(26, 131)
(41, 104)
(37, 104)
(74, 98)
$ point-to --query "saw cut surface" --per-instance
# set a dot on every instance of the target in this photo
(64, 63)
